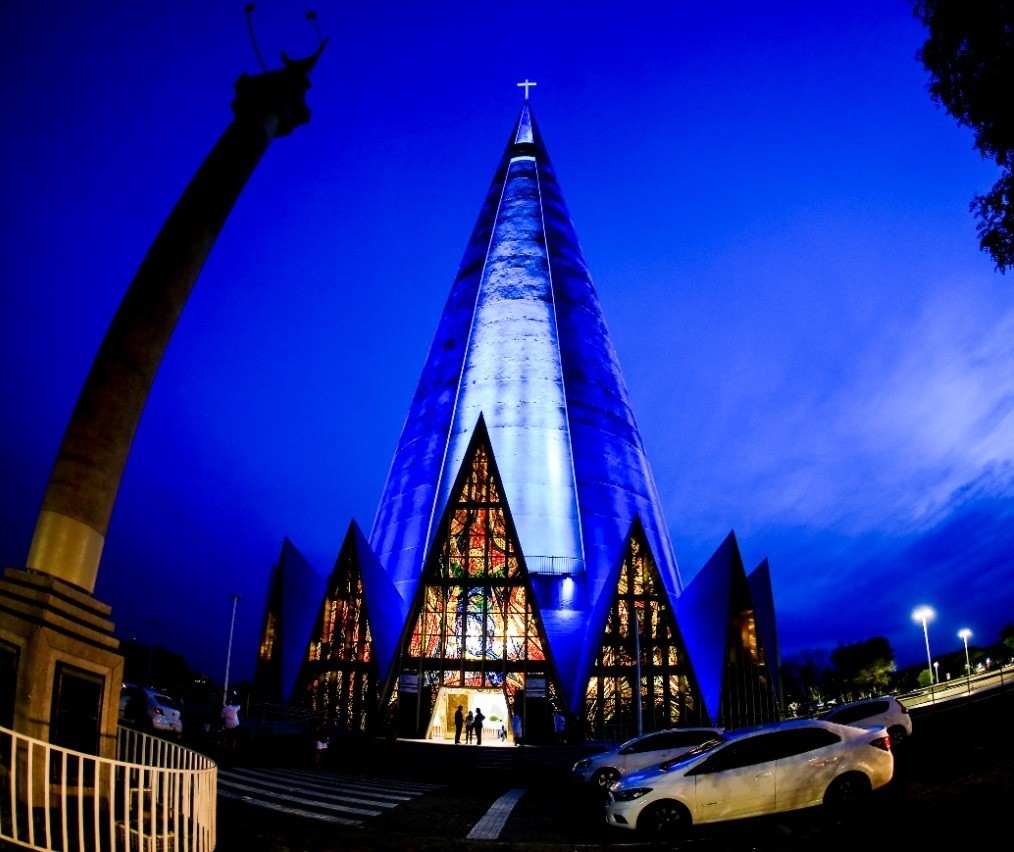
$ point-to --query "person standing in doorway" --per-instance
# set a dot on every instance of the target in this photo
(516, 727)
(479, 719)
(469, 727)
(459, 720)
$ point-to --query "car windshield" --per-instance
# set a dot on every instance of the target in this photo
(165, 701)
(694, 752)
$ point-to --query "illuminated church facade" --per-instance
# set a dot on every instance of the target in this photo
(519, 560)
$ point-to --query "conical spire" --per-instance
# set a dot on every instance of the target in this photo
(523, 343)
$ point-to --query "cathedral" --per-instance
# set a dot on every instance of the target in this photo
(519, 560)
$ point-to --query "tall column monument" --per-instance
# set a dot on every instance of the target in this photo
(60, 666)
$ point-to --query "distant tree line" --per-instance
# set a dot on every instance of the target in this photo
(812, 678)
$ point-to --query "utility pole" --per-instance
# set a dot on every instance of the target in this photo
(228, 654)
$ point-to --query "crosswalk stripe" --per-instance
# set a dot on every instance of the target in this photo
(492, 823)
(310, 794)
(271, 806)
(303, 800)
(329, 783)
(317, 795)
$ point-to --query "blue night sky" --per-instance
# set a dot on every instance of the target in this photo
(774, 213)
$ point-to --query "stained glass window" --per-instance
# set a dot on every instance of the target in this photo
(340, 671)
(476, 625)
(637, 683)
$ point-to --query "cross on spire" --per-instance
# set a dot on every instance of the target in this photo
(526, 86)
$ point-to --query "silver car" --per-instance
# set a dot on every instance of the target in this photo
(150, 709)
(604, 768)
(887, 711)
(784, 766)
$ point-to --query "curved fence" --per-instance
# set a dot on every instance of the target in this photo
(157, 796)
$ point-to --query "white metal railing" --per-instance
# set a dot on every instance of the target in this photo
(157, 797)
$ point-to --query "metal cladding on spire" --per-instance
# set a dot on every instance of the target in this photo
(523, 343)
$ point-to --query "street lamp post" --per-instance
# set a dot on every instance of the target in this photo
(228, 655)
(924, 614)
(964, 633)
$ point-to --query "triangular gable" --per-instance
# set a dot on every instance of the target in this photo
(295, 590)
(702, 612)
(385, 608)
(660, 663)
(476, 571)
(764, 609)
(589, 642)
(267, 680)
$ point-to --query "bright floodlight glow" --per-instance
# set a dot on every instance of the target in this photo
(924, 614)
(964, 633)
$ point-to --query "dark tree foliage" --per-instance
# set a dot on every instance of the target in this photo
(970, 56)
(1007, 637)
(865, 667)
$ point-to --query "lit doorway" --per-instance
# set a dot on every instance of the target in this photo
(493, 703)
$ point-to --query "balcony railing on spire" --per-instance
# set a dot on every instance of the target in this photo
(560, 566)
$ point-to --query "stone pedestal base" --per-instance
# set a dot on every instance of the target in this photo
(58, 648)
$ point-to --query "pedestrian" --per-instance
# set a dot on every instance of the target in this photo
(479, 719)
(320, 748)
(516, 727)
(559, 726)
(230, 722)
(459, 720)
(469, 727)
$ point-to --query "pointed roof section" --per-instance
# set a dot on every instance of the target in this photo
(295, 591)
(522, 342)
(764, 606)
(702, 612)
(385, 608)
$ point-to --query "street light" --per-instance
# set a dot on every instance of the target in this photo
(964, 633)
(228, 655)
(925, 614)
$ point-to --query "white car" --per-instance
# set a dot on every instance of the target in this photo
(887, 711)
(784, 766)
(146, 708)
(603, 769)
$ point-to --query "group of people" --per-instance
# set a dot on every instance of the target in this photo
(472, 724)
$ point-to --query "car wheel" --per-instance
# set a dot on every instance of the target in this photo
(664, 819)
(847, 793)
(898, 735)
(604, 777)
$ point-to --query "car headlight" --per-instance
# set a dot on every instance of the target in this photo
(630, 794)
(582, 764)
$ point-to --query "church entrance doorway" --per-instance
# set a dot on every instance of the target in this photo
(492, 702)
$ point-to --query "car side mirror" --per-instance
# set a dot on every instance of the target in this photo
(627, 750)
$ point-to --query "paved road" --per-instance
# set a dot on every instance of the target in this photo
(954, 784)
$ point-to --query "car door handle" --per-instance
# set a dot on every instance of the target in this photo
(763, 774)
